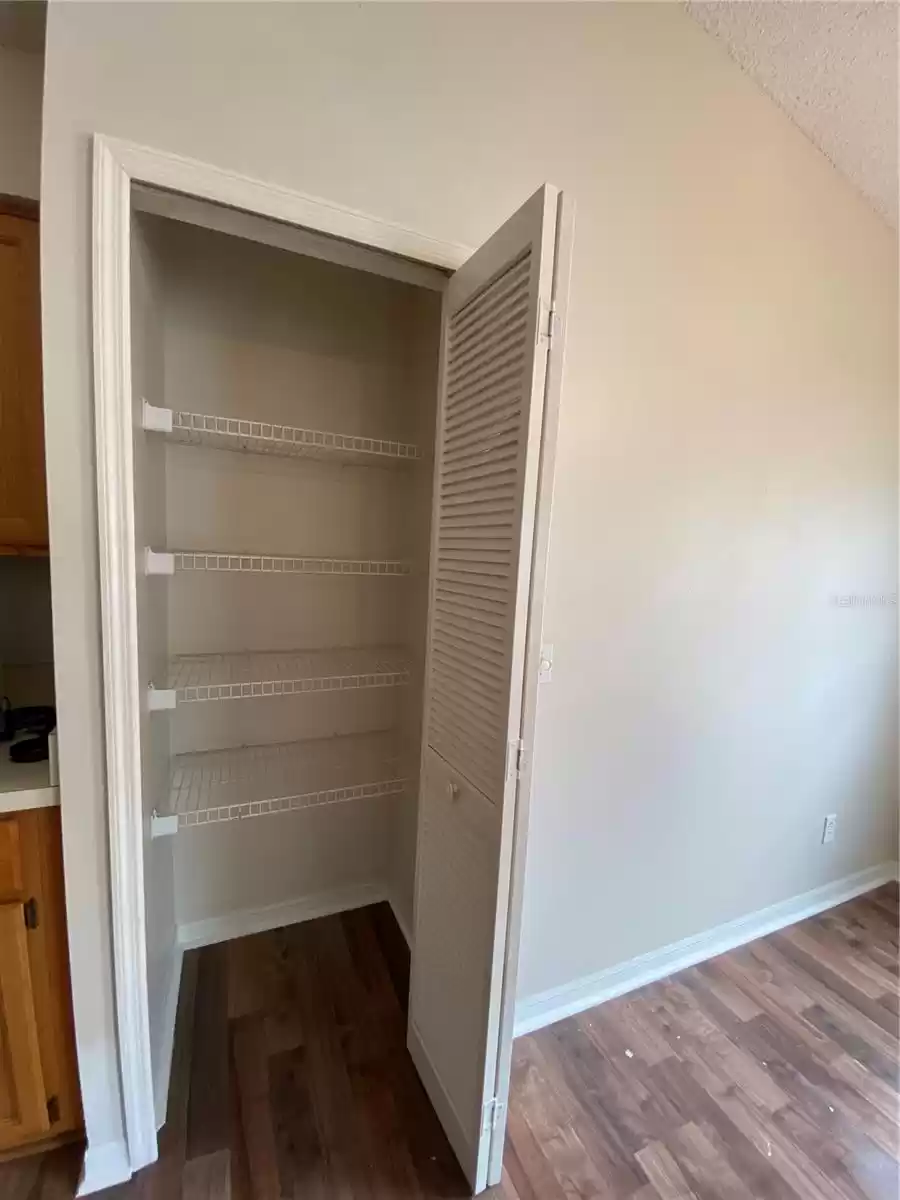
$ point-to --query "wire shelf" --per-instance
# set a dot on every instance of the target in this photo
(275, 564)
(259, 437)
(201, 677)
(212, 786)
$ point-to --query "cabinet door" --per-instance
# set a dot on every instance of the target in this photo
(42, 868)
(490, 470)
(23, 1102)
(23, 499)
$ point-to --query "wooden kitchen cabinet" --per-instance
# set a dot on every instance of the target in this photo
(38, 1081)
(23, 495)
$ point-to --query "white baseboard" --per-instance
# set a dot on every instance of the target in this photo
(164, 1065)
(545, 1008)
(259, 920)
(104, 1166)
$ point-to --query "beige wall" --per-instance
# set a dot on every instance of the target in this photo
(21, 84)
(727, 453)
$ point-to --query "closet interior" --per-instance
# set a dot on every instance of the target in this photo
(283, 474)
(287, 596)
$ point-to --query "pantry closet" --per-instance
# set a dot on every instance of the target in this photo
(305, 641)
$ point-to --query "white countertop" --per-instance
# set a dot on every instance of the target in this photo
(25, 785)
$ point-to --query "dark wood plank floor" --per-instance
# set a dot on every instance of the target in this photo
(770, 1072)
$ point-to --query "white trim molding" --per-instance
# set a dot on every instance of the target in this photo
(118, 165)
(545, 1008)
(104, 1166)
(118, 594)
(203, 181)
(259, 920)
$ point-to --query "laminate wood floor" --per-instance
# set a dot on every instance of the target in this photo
(770, 1072)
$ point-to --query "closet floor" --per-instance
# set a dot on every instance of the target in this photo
(290, 1068)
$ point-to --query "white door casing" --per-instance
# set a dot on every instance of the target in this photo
(495, 825)
(118, 165)
(493, 483)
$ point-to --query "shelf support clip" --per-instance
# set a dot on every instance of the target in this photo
(157, 420)
(163, 826)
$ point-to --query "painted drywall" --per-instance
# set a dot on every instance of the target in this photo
(267, 335)
(727, 452)
(21, 88)
(26, 631)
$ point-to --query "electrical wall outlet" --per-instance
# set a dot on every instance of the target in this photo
(829, 826)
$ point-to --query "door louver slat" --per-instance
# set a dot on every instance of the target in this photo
(476, 542)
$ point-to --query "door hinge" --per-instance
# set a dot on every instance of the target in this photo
(30, 913)
(515, 759)
(493, 1115)
(53, 1109)
(549, 323)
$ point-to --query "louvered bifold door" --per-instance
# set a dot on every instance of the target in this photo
(496, 342)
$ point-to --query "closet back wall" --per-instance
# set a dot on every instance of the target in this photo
(258, 333)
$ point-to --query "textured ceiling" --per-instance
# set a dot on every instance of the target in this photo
(832, 66)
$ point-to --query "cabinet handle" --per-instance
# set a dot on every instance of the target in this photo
(452, 790)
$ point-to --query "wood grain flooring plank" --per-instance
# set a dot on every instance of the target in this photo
(851, 1015)
(835, 971)
(522, 1183)
(768, 1073)
(844, 1030)
(606, 1096)
(636, 1031)
(539, 1069)
(771, 989)
(664, 1172)
(348, 1147)
(532, 1163)
(739, 1003)
(822, 939)
(704, 1162)
(881, 1094)
(208, 1177)
(251, 1068)
(393, 951)
(302, 1158)
(804, 1176)
(208, 1107)
(846, 1158)
(697, 1104)
(886, 898)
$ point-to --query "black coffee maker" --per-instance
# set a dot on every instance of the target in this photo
(28, 729)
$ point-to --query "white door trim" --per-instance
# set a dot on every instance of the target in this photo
(118, 165)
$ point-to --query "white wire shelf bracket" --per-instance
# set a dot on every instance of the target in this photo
(261, 437)
(165, 563)
(213, 786)
(196, 678)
